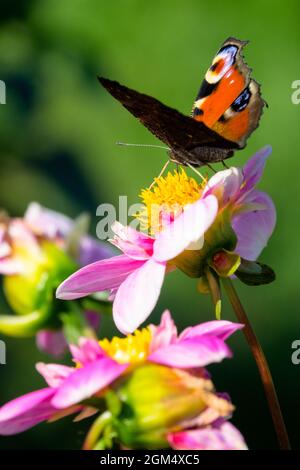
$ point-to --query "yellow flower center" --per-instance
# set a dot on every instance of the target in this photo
(133, 349)
(166, 198)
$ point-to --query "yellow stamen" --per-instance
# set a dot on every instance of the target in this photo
(167, 196)
(133, 349)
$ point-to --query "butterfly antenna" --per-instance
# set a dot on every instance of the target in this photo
(125, 144)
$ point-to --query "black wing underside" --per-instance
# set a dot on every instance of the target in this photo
(170, 126)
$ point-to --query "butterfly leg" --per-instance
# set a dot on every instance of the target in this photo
(160, 174)
(224, 164)
(210, 167)
(196, 171)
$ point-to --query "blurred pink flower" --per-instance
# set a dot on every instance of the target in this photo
(53, 225)
(53, 342)
(21, 237)
(36, 253)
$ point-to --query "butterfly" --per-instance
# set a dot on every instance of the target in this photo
(226, 111)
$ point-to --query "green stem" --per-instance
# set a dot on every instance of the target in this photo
(262, 365)
(23, 325)
(96, 431)
(215, 292)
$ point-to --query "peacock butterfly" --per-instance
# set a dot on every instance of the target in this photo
(226, 111)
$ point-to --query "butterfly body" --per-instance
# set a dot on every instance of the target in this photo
(227, 109)
(199, 156)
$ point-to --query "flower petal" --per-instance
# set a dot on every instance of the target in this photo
(225, 184)
(91, 250)
(96, 277)
(192, 352)
(254, 228)
(52, 224)
(136, 245)
(93, 319)
(221, 329)
(137, 296)
(9, 266)
(222, 437)
(254, 168)
(186, 229)
(87, 381)
(54, 374)
(163, 334)
(52, 342)
(47, 222)
(26, 411)
(87, 351)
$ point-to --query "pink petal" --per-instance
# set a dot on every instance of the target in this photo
(87, 381)
(254, 228)
(134, 244)
(96, 277)
(225, 185)
(26, 411)
(221, 329)
(87, 351)
(163, 334)
(186, 229)
(93, 318)
(52, 342)
(254, 168)
(5, 248)
(54, 374)
(14, 240)
(22, 236)
(47, 222)
(52, 224)
(222, 437)
(193, 352)
(92, 250)
(138, 295)
(10, 266)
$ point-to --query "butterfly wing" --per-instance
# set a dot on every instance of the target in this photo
(178, 131)
(229, 101)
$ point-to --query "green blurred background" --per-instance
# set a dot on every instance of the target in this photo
(57, 146)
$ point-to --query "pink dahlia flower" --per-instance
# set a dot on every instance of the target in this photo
(100, 366)
(228, 211)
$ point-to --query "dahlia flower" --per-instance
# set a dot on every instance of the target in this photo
(36, 253)
(118, 375)
(218, 227)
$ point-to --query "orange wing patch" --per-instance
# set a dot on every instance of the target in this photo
(228, 101)
(235, 127)
(224, 94)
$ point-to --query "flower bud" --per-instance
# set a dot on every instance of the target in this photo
(219, 237)
(225, 263)
(155, 400)
(42, 271)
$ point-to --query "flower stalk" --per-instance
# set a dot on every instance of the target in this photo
(262, 365)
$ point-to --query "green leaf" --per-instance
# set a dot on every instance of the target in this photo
(254, 273)
(23, 326)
